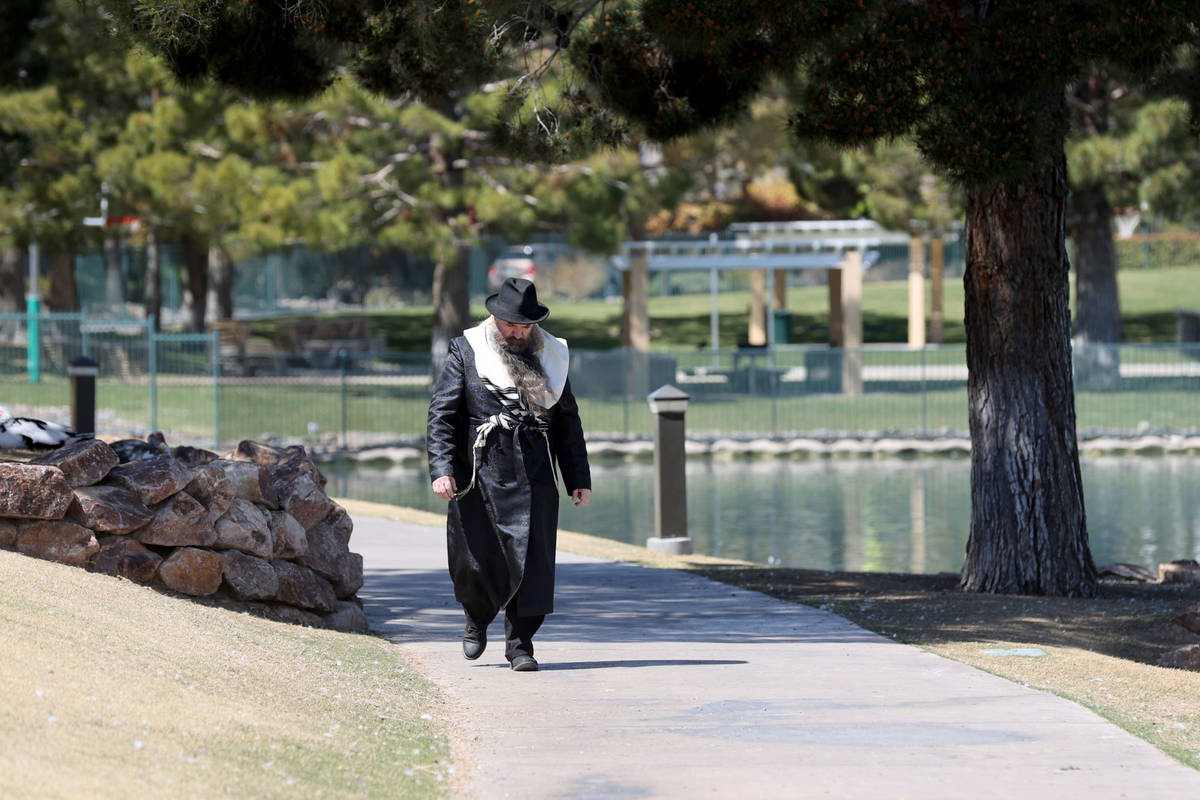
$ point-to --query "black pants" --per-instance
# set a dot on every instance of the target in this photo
(519, 631)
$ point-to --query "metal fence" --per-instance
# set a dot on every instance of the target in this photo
(189, 387)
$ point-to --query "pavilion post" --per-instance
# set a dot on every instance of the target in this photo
(757, 335)
(937, 272)
(836, 323)
(636, 301)
(852, 332)
(916, 291)
(714, 316)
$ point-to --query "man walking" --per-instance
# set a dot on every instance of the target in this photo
(501, 417)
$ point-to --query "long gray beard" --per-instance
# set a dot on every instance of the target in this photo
(524, 368)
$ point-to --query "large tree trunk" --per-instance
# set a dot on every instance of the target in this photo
(64, 291)
(1097, 310)
(13, 268)
(195, 290)
(1028, 527)
(153, 279)
(451, 273)
(451, 302)
(1097, 307)
(220, 270)
(114, 280)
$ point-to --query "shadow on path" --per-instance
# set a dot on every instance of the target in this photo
(608, 602)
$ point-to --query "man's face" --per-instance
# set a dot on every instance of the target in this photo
(514, 335)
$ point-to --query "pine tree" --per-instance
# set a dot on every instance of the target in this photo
(978, 84)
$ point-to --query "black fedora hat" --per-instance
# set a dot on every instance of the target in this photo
(517, 302)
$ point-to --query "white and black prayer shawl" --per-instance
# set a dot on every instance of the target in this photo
(554, 358)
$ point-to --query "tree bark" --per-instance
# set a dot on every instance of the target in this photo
(451, 273)
(195, 290)
(1028, 527)
(451, 302)
(1097, 308)
(114, 280)
(220, 270)
(13, 268)
(1097, 305)
(153, 278)
(64, 291)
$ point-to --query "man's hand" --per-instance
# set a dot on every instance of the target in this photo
(581, 497)
(445, 487)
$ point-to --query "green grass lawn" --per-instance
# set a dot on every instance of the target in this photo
(1149, 299)
(191, 410)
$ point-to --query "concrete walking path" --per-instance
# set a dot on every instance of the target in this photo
(657, 683)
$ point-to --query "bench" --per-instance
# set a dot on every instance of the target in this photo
(244, 354)
(320, 341)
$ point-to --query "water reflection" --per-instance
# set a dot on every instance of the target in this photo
(878, 515)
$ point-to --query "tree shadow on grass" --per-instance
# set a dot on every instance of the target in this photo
(1125, 620)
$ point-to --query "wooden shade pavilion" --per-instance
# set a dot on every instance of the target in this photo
(842, 248)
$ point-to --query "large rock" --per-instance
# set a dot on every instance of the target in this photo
(256, 452)
(287, 535)
(127, 558)
(350, 576)
(57, 540)
(250, 481)
(250, 578)
(33, 491)
(300, 586)
(1190, 618)
(301, 496)
(244, 527)
(190, 570)
(1127, 572)
(329, 557)
(1186, 657)
(349, 618)
(8, 533)
(153, 479)
(212, 488)
(193, 456)
(84, 462)
(109, 509)
(341, 522)
(296, 461)
(1185, 570)
(180, 521)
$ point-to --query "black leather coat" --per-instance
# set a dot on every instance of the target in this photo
(501, 536)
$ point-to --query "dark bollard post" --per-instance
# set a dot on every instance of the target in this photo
(83, 371)
(669, 404)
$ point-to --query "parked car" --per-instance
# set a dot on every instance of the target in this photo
(521, 261)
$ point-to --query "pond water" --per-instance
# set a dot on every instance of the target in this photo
(878, 515)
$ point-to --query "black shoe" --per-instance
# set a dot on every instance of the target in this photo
(523, 663)
(474, 641)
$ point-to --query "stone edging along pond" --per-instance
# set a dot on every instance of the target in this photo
(800, 447)
(254, 530)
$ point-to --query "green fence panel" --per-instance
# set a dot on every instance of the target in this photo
(187, 387)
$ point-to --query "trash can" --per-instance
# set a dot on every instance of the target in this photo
(783, 326)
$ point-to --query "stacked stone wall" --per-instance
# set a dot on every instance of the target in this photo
(254, 530)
